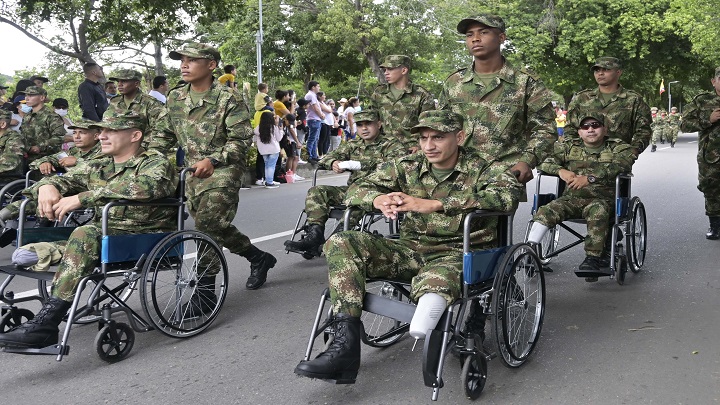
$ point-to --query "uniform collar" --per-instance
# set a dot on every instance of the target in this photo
(506, 73)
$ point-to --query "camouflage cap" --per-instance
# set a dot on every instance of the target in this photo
(5, 114)
(673, 109)
(593, 115)
(196, 50)
(122, 121)
(83, 124)
(653, 108)
(488, 20)
(366, 115)
(126, 74)
(607, 62)
(439, 120)
(393, 61)
(34, 90)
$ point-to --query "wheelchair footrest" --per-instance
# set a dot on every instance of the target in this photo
(591, 273)
(49, 350)
(390, 308)
(21, 271)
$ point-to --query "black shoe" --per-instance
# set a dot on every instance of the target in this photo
(203, 301)
(654, 148)
(341, 361)
(714, 232)
(591, 263)
(311, 242)
(672, 144)
(42, 330)
(260, 263)
(604, 260)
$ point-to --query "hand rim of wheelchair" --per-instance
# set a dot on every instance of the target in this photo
(376, 326)
(504, 327)
(114, 341)
(637, 241)
(158, 264)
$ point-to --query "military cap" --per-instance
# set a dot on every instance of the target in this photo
(439, 120)
(83, 124)
(126, 74)
(393, 61)
(5, 115)
(673, 108)
(488, 20)
(41, 78)
(607, 62)
(34, 90)
(196, 50)
(122, 121)
(595, 116)
(366, 115)
(653, 108)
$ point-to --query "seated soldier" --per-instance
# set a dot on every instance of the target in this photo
(435, 189)
(86, 147)
(11, 150)
(360, 156)
(125, 172)
(589, 166)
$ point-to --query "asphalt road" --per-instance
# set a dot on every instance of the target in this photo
(653, 340)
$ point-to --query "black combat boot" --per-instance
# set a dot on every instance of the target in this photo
(341, 361)
(714, 231)
(260, 263)
(654, 148)
(312, 241)
(672, 144)
(204, 300)
(41, 331)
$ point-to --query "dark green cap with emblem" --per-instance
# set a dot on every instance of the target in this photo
(439, 120)
(83, 124)
(34, 90)
(195, 50)
(488, 20)
(393, 61)
(122, 121)
(593, 115)
(607, 62)
(366, 115)
(126, 74)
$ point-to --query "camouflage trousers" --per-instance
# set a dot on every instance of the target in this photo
(596, 211)
(319, 200)
(709, 185)
(671, 133)
(354, 256)
(657, 135)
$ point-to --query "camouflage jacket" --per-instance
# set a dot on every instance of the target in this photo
(658, 123)
(217, 127)
(44, 129)
(399, 116)
(54, 159)
(511, 120)
(697, 119)
(12, 151)
(145, 177)
(627, 116)
(145, 105)
(612, 158)
(475, 184)
(674, 120)
(369, 154)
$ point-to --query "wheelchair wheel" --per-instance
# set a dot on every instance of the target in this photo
(12, 192)
(518, 304)
(114, 341)
(549, 244)
(381, 331)
(172, 292)
(474, 375)
(637, 244)
(15, 317)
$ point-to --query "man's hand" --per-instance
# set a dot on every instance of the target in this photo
(65, 205)
(566, 175)
(336, 166)
(46, 168)
(525, 170)
(578, 182)
(48, 196)
(68, 161)
(34, 150)
(393, 203)
(715, 116)
(413, 150)
(386, 205)
(203, 169)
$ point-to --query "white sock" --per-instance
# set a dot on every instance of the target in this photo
(537, 232)
(427, 314)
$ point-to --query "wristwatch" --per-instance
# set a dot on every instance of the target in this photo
(591, 179)
(214, 162)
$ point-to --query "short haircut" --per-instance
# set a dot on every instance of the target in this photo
(262, 87)
(229, 68)
(159, 81)
(60, 103)
(89, 66)
(279, 94)
(108, 83)
(312, 83)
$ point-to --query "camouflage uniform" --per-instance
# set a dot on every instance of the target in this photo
(511, 120)
(11, 151)
(43, 129)
(595, 202)
(658, 128)
(697, 118)
(673, 127)
(146, 176)
(75, 152)
(400, 115)
(429, 250)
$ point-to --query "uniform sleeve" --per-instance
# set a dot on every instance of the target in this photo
(56, 133)
(164, 140)
(74, 181)
(641, 126)
(239, 134)
(622, 162)
(540, 123)
(52, 159)
(573, 121)
(385, 179)
(342, 153)
(12, 155)
(695, 118)
(158, 124)
(496, 189)
(556, 160)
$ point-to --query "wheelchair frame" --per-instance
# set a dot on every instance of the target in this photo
(502, 293)
(167, 285)
(629, 224)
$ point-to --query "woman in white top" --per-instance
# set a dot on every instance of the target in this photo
(349, 112)
(267, 138)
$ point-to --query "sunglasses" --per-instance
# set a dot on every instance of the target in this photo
(594, 125)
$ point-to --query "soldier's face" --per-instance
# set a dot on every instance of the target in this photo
(368, 130)
(118, 142)
(392, 75)
(482, 41)
(196, 69)
(592, 132)
(441, 148)
(716, 84)
(85, 138)
(34, 99)
(38, 82)
(127, 86)
(606, 77)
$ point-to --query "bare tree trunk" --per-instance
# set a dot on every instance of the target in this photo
(159, 68)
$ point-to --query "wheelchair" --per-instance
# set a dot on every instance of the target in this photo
(505, 283)
(628, 229)
(164, 267)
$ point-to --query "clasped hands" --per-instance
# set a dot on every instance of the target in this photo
(573, 181)
(53, 206)
(392, 204)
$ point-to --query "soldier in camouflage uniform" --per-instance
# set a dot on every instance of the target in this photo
(85, 138)
(400, 101)
(11, 150)
(435, 189)
(658, 128)
(588, 166)
(211, 122)
(703, 115)
(627, 117)
(673, 125)
(131, 98)
(42, 130)
(508, 112)
(360, 156)
(127, 172)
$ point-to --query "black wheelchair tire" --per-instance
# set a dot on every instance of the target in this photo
(637, 244)
(474, 375)
(15, 317)
(114, 341)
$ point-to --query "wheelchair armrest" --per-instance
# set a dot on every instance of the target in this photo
(504, 226)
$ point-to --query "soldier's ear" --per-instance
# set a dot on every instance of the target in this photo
(460, 137)
(137, 136)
